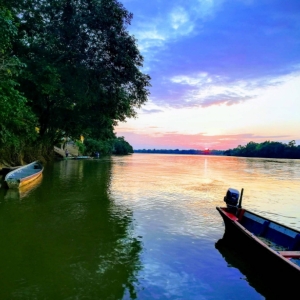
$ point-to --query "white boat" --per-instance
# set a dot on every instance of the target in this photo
(24, 175)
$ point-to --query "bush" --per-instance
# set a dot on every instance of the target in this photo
(121, 147)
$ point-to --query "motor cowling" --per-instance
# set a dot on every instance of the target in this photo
(232, 198)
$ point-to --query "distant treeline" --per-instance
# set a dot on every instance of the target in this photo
(177, 151)
(266, 149)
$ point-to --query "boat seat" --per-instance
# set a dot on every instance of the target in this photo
(296, 243)
(290, 254)
(264, 228)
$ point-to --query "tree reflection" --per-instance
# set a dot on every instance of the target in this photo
(73, 241)
(110, 252)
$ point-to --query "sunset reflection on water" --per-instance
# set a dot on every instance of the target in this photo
(173, 198)
(195, 184)
(142, 226)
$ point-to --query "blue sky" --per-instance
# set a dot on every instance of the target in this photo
(223, 73)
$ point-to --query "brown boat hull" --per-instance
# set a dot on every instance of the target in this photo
(278, 268)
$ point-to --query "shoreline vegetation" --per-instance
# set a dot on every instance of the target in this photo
(69, 70)
(267, 149)
(89, 147)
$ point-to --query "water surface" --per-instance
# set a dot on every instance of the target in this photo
(137, 227)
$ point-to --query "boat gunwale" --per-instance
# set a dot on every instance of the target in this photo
(262, 217)
(236, 222)
(31, 176)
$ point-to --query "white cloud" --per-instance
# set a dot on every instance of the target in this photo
(176, 22)
(192, 80)
(205, 90)
(151, 111)
(180, 20)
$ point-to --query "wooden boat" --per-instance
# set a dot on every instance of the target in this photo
(275, 246)
(24, 190)
(24, 175)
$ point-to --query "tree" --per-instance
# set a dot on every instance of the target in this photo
(121, 147)
(17, 126)
(104, 147)
(266, 149)
(292, 144)
(83, 68)
(116, 146)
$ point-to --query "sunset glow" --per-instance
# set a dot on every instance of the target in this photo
(219, 78)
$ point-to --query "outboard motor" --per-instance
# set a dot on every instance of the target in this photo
(232, 199)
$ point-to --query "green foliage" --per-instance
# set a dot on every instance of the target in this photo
(17, 126)
(82, 74)
(81, 146)
(104, 147)
(68, 68)
(121, 147)
(266, 149)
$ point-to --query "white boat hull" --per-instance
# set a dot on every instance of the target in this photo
(24, 175)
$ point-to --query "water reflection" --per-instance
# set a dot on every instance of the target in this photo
(68, 239)
(254, 271)
(281, 169)
(140, 226)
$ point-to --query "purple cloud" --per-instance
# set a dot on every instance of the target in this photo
(151, 111)
(256, 42)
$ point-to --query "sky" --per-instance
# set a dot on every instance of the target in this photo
(223, 73)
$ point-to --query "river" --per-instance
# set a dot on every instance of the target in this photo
(142, 226)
